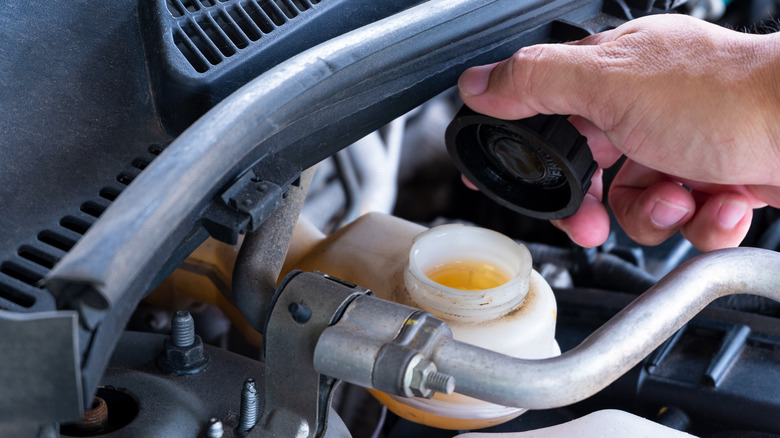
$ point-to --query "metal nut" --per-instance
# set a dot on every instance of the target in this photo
(183, 360)
(420, 374)
(426, 380)
(184, 356)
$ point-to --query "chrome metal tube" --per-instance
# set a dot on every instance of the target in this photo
(618, 345)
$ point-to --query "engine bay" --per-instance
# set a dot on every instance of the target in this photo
(209, 206)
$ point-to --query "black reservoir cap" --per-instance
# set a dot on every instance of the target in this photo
(540, 166)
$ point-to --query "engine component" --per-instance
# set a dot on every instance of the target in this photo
(249, 408)
(614, 348)
(297, 397)
(605, 355)
(183, 352)
(262, 255)
(275, 123)
(481, 284)
(144, 401)
(540, 166)
(97, 85)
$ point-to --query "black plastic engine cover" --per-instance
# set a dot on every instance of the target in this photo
(92, 91)
(200, 51)
(78, 123)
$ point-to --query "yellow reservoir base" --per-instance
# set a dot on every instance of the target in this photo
(432, 420)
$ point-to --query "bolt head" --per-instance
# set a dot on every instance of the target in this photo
(300, 312)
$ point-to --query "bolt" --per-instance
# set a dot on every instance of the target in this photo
(182, 329)
(214, 429)
(426, 380)
(440, 382)
(301, 313)
(183, 352)
(248, 416)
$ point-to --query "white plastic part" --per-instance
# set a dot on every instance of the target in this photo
(453, 244)
(374, 252)
(516, 318)
(599, 424)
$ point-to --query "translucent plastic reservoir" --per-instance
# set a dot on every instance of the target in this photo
(478, 281)
(482, 284)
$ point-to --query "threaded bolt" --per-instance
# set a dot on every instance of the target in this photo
(425, 380)
(248, 416)
(215, 429)
(182, 329)
(440, 382)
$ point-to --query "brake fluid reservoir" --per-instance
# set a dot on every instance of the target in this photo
(482, 284)
(488, 294)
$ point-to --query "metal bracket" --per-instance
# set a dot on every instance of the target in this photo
(297, 397)
(386, 346)
(34, 345)
(401, 366)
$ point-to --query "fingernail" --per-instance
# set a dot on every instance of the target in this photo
(731, 212)
(468, 183)
(474, 81)
(666, 215)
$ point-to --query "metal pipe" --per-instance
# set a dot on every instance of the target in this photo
(262, 255)
(619, 344)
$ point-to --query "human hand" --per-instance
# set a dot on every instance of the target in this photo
(695, 108)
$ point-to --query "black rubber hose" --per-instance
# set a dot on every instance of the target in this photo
(603, 271)
(609, 272)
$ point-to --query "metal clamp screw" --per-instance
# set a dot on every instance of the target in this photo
(424, 380)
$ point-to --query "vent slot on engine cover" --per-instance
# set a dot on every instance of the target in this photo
(21, 274)
(200, 51)
(206, 32)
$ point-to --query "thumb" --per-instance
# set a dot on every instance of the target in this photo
(546, 78)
